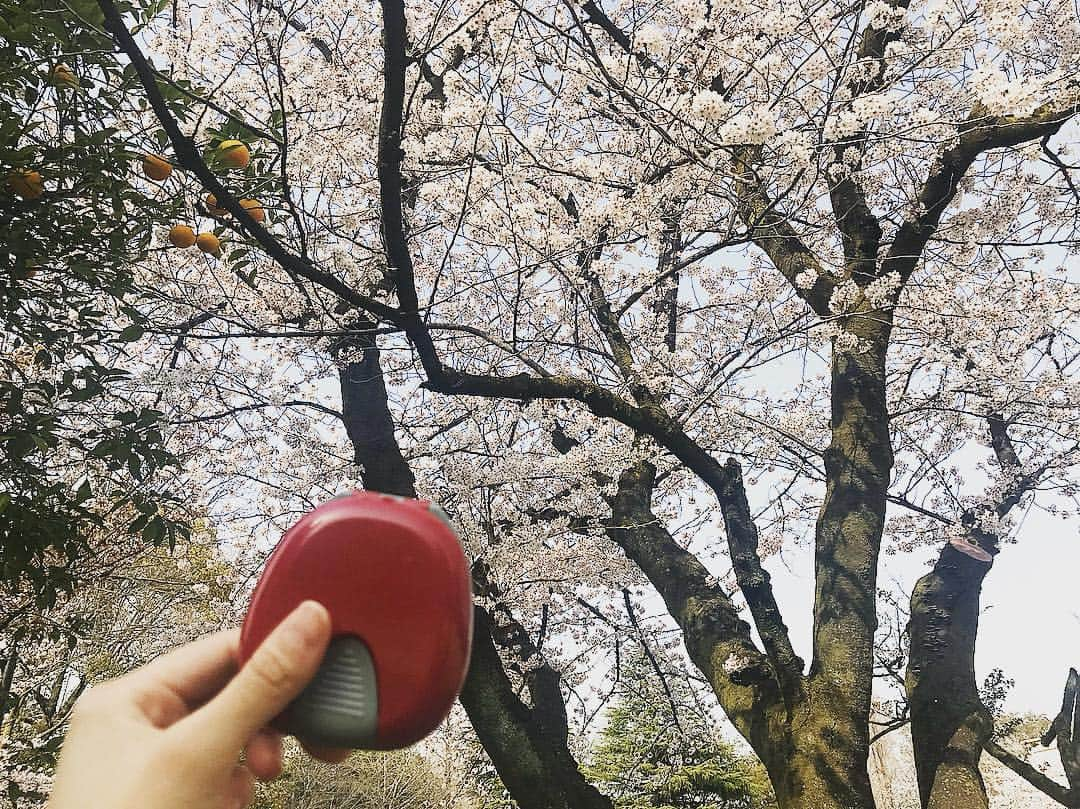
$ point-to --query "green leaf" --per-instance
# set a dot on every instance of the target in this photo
(131, 333)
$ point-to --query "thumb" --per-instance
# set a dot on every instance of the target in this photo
(276, 673)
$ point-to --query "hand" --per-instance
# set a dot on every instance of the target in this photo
(169, 735)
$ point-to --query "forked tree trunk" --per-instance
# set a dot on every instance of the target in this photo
(830, 729)
(821, 767)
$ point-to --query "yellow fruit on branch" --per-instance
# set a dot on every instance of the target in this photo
(212, 206)
(209, 243)
(27, 183)
(233, 154)
(63, 76)
(181, 236)
(156, 168)
(254, 209)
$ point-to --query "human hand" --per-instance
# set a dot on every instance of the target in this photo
(169, 735)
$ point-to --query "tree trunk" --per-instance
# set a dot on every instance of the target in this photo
(814, 777)
(367, 416)
(527, 745)
(833, 739)
(6, 679)
(949, 723)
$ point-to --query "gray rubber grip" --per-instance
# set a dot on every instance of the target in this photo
(340, 706)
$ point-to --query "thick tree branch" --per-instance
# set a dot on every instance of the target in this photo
(753, 579)
(860, 230)
(717, 639)
(541, 679)
(530, 756)
(1066, 730)
(1042, 782)
(528, 745)
(391, 185)
(771, 232)
(949, 724)
(978, 134)
(367, 417)
(595, 15)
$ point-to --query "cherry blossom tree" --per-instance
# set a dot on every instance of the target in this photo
(642, 294)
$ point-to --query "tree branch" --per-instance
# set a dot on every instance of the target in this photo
(1066, 730)
(978, 134)
(717, 639)
(771, 232)
(1042, 782)
(753, 579)
(187, 155)
(768, 230)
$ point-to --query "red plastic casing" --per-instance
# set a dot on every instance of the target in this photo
(393, 574)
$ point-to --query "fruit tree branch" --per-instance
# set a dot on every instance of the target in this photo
(187, 154)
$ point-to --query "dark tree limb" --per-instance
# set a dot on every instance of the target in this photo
(753, 579)
(949, 723)
(860, 230)
(527, 745)
(770, 231)
(189, 158)
(7, 677)
(717, 639)
(595, 15)
(366, 415)
(950, 727)
(1065, 729)
(672, 569)
(1042, 782)
(979, 133)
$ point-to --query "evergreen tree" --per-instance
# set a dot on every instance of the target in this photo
(645, 758)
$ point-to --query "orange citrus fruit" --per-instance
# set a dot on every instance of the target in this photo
(233, 154)
(63, 76)
(254, 209)
(181, 236)
(27, 183)
(208, 243)
(156, 168)
(212, 206)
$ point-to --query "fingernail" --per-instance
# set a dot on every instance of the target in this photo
(304, 625)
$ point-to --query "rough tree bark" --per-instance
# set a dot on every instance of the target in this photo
(950, 726)
(949, 723)
(1065, 732)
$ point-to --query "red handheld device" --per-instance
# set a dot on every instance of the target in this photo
(395, 580)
